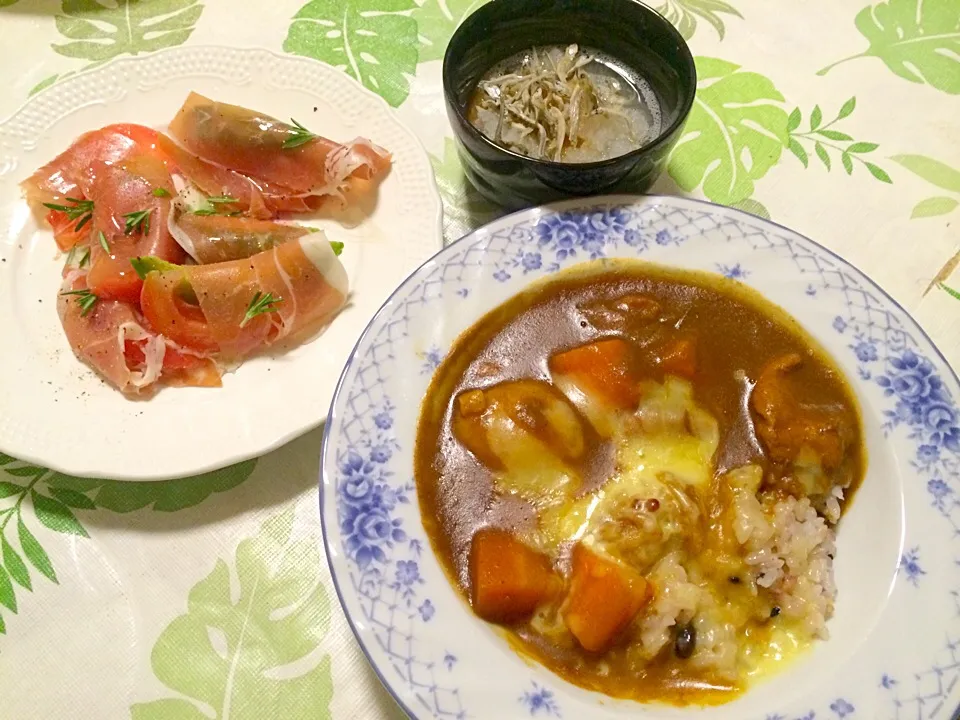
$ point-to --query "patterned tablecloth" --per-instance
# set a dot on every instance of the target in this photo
(209, 597)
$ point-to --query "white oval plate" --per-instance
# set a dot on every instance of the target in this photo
(55, 411)
(894, 647)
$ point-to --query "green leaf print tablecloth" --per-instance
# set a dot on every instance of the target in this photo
(209, 597)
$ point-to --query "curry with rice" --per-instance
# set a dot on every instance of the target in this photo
(638, 472)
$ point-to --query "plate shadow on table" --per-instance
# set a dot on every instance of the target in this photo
(278, 479)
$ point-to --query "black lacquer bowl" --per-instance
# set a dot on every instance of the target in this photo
(629, 31)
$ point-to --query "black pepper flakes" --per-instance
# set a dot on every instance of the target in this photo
(735, 579)
(775, 611)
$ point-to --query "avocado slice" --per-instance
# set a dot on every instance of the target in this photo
(149, 263)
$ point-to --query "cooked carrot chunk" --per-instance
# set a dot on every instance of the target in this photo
(604, 597)
(604, 367)
(679, 357)
(508, 580)
(787, 424)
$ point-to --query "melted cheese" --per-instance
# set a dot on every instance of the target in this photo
(679, 451)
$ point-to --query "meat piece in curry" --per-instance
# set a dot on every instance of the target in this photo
(637, 472)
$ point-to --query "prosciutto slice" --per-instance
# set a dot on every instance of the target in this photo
(267, 151)
(217, 180)
(71, 172)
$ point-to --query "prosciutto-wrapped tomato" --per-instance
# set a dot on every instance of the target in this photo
(236, 307)
(62, 189)
(293, 169)
(113, 338)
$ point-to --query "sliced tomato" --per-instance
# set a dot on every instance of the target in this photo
(113, 277)
(181, 369)
(65, 230)
(192, 371)
(184, 369)
(133, 354)
(169, 314)
(173, 359)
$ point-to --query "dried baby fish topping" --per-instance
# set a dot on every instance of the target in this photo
(561, 105)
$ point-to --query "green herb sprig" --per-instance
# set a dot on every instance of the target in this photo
(259, 304)
(298, 136)
(85, 299)
(103, 241)
(78, 255)
(139, 220)
(214, 210)
(161, 192)
(81, 210)
(211, 211)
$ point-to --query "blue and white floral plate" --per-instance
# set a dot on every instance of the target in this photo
(894, 647)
